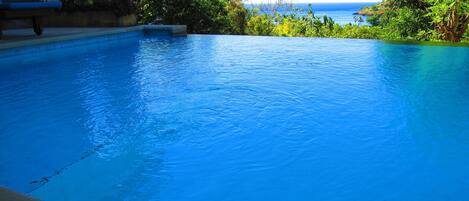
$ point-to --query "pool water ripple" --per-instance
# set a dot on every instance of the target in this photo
(238, 118)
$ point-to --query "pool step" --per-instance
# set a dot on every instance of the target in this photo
(8, 195)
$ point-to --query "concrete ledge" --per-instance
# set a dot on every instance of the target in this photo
(69, 34)
(176, 30)
(9, 195)
(89, 19)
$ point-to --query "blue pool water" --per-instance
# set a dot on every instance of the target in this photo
(237, 118)
(342, 13)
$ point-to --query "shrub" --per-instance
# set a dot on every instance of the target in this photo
(391, 19)
(237, 16)
(404, 23)
(450, 17)
(200, 16)
(260, 25)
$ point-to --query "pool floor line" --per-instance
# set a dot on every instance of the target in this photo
(44, 180)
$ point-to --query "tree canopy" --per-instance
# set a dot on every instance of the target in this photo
(425, 20)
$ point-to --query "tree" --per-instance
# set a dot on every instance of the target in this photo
(200, 16)
(237, 17)
(450, 17)
(423, 19)
(262, 25)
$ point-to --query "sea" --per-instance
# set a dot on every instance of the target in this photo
(341, 13)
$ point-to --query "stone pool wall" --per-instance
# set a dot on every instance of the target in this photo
(89, 19)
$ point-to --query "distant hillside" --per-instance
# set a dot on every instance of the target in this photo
(372, 10)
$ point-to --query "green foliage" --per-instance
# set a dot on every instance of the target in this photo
(426, 20)
(422, 19)
(402, 19)
(200, 16)
(450, 17)
(309, 26)
(374, 20)
(466, 35)
(291, 26)
(404, 23)
(355, 31)
(314, 26)
(237, 16)
(261, 25)
(372, 10)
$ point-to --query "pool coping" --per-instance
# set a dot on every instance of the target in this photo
(174, 30)
(6, 194)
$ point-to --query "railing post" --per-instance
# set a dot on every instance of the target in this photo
(37, 25)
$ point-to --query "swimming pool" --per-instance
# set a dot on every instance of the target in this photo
(208, 117)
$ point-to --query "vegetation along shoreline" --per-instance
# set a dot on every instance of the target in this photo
(401, 20)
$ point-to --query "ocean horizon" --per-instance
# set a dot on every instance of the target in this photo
(342, 13)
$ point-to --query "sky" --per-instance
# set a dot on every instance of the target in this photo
(312, 1)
